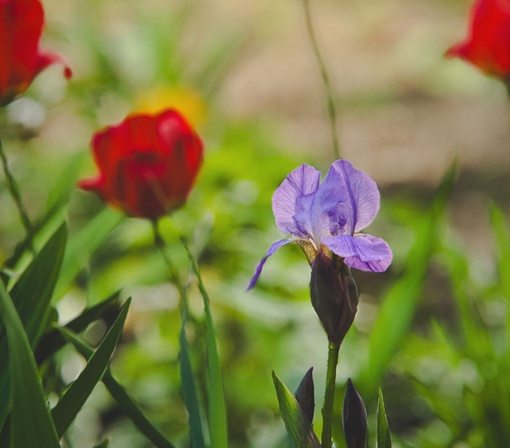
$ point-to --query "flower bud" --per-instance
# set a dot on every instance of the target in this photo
(334, 296)
(305, 395)
(354, 418)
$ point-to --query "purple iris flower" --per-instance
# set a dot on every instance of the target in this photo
(328, 216)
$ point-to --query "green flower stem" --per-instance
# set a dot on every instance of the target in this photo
(174, 276)
(15, 194)
(329, 396)
(325, 79)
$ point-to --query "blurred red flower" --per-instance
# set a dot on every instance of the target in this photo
(21, 59)
(488, 43)
(147, 164)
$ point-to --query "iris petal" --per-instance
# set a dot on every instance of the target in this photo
(274, 247)
(287, 202)
(362, 197)
(326, 214)
(364, 252)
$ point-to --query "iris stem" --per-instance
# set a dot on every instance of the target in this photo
(329, 396)
(16, 196)
(325, 79)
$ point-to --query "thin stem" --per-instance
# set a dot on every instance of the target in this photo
(325, 78)
(15, 194)
(159, 242)
(329, 396)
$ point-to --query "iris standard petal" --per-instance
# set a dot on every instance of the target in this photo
(364, 252)
(303, 181)
(326, 214)
(274, 247)
(362, 197)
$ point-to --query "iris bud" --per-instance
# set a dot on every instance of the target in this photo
(334, 296)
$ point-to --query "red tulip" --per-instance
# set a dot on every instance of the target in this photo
(147, 164)
(488, 43)
(21, 59)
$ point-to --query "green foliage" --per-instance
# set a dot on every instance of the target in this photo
(383, 431)
(297, 423)
(74, 398)
(400, 302)
(29, 408)
(433, 332)
(31, 296)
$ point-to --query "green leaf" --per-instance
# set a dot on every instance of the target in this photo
(217, 410)
(53, 340)
(70, 404)
(54, 210)
(103, 444)
(121, 397)
(297, 423)
(81, 245)
(31, 296)
(189, 388)
(502, 243)
(31, 423)
(400, 301)
(383, 432)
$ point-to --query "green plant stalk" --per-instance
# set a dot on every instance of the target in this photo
(329, 396)
(325, 79)
(16, 196)
(189, 387)
(217, 406)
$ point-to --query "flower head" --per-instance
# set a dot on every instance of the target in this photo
(488, 43)
(147, 164)
(328, 217)
(21, 59)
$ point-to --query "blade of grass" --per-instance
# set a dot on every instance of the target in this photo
(400, 302)
(53, 213)
(30, 423)
(53, 340)
(82, 245)
(383, 431)
(217, 409)
(72, 401)
(297, 423)
(121, 397)
(31, 296)
(189, 388)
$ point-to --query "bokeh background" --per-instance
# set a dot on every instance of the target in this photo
(432, 331)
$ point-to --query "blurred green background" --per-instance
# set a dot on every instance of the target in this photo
(433, 331)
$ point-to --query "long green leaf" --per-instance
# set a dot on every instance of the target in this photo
(383, 431)
(297, 423)
(53, 340)
(502, 242)
(189, 388)
(31, 296)
(82, 245)
(54, 210)
(121, 397)
(31, 423)
(70, 404)
(217, 409)
(400, 302)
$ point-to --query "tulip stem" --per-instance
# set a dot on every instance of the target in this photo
(325, 79)
(15, 194)
(329, 396)
(160, 245)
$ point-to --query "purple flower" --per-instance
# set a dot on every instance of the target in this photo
(327, 217)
